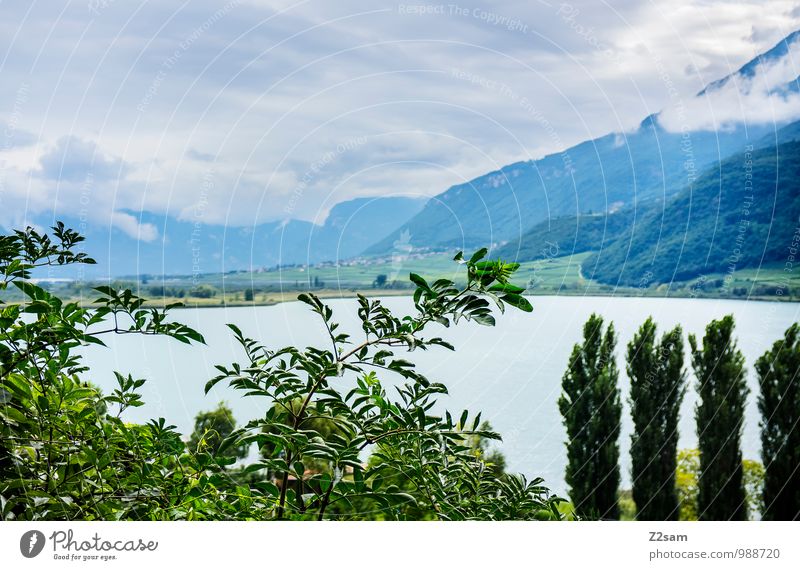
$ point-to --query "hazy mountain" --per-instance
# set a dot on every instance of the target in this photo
(613, 172)
(186, 247)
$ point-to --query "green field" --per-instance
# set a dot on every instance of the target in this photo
(562, 276)
(550, 274)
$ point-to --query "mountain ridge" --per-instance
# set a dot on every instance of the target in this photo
(614, 171)
(723, 223)
(186, 247)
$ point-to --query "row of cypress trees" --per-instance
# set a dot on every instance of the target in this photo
(591, 406)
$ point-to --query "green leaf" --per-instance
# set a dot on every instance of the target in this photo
(518, 301)
(324, 482)
(507, 288)
(19, 385)
(485, 320)
(358, 479)
(31, 290)
(310, 299)
(419, 281)
(213, 382)
(478, 255)
(38, 306)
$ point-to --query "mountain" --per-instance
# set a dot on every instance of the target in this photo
(789, 133)
(593, 232)
(588, 197)
(748, 70)
(742, 214)
(569, 235)
(605, 174)
(186, 247)
(612, 172)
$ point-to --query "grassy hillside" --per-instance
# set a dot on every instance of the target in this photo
(569, 235)
(741, 214)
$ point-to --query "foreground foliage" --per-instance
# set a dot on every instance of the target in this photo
(422, 461)
(67, 453)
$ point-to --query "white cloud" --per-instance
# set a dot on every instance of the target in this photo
(73, 159)
(73, 179)
(264, 92)
(757, 99)
(130, 225)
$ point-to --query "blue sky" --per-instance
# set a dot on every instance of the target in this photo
(263, 110)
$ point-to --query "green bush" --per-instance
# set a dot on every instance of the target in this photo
(66, 453)
(203, 292)
(423, 464)
(687, 476)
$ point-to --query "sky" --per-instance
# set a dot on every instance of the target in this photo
(245, 111)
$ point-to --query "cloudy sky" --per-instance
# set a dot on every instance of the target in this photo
(258, 110)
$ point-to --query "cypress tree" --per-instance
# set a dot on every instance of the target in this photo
(779, 403)
(590, 405)
(719, 367)
(658, 385)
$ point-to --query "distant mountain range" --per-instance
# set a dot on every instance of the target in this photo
(653, 206)
(743, 213)
(185, 247)
(613, 172)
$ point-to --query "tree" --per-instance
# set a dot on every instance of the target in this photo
(779, 403)
(340, 382)
(210, 430)
(203, 291)
(753, 476)
(66, 453)
(590, 405)
(688, 475)
(719, 367)
(380, 281)
(249, 294)
(658, 385)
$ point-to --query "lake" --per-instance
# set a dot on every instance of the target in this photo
(511, 372)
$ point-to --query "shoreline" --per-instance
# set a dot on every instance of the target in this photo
(291, 296)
